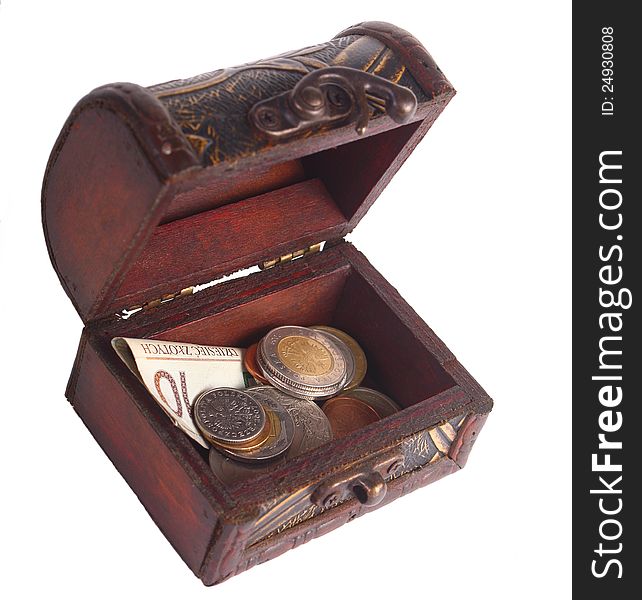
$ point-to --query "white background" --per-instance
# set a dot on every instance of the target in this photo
(474, 231)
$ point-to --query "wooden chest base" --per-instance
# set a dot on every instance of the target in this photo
(220, 531)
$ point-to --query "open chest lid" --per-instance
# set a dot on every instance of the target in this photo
(149, 191)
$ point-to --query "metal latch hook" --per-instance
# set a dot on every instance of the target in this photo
(332, 95)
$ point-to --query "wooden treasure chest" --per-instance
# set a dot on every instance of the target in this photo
(151, 192)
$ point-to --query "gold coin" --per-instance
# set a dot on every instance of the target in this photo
(360, 360)
(304, 355)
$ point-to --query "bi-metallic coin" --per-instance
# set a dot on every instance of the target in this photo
(356, 362)
(302, 362)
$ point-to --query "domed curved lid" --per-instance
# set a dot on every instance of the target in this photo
(151, 190)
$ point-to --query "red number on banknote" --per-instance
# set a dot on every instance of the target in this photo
(178, 411)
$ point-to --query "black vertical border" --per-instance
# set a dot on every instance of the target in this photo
(593, 134)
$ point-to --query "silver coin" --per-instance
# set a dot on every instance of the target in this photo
(229, 416)
(303, 393)
(345, 350)
(281, 434)
(303, 357)
(312, 429)
(232, 472)
(382, 405)
(312, 426)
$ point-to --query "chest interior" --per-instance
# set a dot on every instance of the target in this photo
(336, 287)
(218, 223)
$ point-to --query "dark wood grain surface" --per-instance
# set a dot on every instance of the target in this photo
(147, 192)
(338, 287)
(134, 169)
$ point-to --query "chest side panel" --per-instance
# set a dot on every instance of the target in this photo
(162, 483)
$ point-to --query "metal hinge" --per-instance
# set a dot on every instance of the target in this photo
(128, 312)
(268, 264)
(188, 291)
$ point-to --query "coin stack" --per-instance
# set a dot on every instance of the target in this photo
(247, 425)
(304, 363)
(320, 363)
(296, 369)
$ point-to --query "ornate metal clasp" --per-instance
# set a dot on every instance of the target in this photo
(332, 95)
(367, 483)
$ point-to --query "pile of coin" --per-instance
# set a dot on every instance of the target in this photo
(304, 363)
(311, 429)
(244, 424)
(295, 369)
(312, 363)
